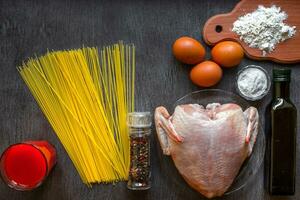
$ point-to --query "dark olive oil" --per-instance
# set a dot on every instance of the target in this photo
(283, 136)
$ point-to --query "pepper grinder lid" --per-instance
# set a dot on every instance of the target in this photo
(139, 119)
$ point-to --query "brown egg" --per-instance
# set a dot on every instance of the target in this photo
(206, 74)
(227, 53)
(188, 50)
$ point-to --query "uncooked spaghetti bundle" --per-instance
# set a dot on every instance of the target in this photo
(86, 95)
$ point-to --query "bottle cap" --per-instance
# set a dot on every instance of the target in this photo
(280, 74)
(139, 119)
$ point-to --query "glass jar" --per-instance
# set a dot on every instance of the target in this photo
(25, 166)
(139, 124)
(257, 84)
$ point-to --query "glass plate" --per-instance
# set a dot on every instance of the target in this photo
(251, 164)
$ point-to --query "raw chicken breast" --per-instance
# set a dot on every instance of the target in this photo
(208, 145)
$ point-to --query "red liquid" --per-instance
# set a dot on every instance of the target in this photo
(24, 166)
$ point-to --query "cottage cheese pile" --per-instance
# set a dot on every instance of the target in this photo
(264, 28)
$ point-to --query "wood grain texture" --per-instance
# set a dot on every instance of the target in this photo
(29, 27)
(285, 52)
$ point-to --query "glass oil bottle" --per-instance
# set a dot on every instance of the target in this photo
(283, 119)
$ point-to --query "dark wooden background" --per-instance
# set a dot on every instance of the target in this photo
(31, 27)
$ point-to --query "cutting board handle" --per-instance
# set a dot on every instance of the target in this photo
(218, 28)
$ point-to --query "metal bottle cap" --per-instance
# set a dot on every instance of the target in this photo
(280, 74)
(139, 119)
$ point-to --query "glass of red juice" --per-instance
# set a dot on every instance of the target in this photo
(24, 166)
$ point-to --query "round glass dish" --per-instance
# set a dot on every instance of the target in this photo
(250, 166)
(254, 97)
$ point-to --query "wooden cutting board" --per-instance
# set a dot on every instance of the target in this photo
(219, 27)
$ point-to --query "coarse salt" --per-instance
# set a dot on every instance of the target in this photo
(253, 83)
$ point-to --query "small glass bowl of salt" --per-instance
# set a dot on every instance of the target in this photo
(253, 82)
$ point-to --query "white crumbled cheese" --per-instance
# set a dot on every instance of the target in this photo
(264, 28)
(252, 82)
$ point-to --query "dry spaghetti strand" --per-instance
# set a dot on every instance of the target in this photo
(86, 95)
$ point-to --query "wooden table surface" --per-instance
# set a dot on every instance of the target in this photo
(31, 27)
